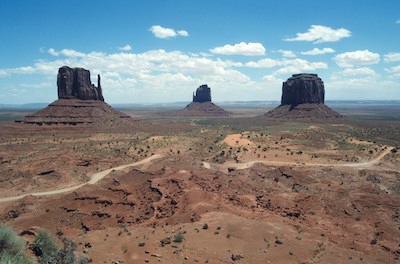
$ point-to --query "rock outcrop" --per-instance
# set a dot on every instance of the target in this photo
(80, 103)
(303, 97)
(202, 105)
(203, 94)
(75, 83)
(302, 89)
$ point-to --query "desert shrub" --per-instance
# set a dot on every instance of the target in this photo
(18, 258)
(10, 242)
(66, 255)
(48, 252)
(178, 238)
(45, 247)
(205, 226)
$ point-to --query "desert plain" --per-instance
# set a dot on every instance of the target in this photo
(242, 188)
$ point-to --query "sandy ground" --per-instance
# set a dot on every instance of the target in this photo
(294, 193)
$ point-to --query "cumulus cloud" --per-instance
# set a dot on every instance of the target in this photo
(164, 33)
(317, 51)
(299, 65)
(127, 47)
(53, 52)
(288, 66)
(243, 48)
(356, 58)
(394, 71)
(392, 57)
(157, 72)
(364, 71)
(320, 34)
(182, 33)
(263, 63)
(287, 53)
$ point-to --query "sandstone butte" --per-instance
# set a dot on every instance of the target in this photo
(303, 97)
(79, 102)
(202, 104)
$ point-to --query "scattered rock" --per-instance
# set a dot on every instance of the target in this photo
(165, 241)
(236, 257)
(141, 244)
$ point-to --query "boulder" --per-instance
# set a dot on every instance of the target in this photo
(75, 83)
(303, 88)
(203, 94)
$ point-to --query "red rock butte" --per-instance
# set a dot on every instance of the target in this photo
(79, 102)
(202, 105)
(303, 97)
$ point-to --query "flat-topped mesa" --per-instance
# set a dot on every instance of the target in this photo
(74, 83)
(203, 94)
(303, 88)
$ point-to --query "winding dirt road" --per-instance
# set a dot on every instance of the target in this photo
(249, 164)
(94, 178)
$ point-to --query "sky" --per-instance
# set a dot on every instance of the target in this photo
(160, 51)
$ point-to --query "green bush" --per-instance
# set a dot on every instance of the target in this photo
(18, 258)
(44, 247)
(178, 238)
(66, 255)
(10, 242)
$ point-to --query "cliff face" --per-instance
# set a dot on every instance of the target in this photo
(203, 94)
(303, 89)
(303, 97)
(74, 83)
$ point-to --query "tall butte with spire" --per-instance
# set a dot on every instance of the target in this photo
(79, 102)
(303, 97)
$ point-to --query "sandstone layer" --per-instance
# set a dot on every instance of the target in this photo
(75, 83)
(303, 97)
(79, 102)
(202, 105)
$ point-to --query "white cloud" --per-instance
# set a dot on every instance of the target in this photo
(287, 53)
(392, 56)
(398, 21)
(182, 33)
(394, 71)
(320, 34)
(364, 71)
(52, 51)
(355, 58)
(127, 47)
(263, 63)
(72, 53)
(288, 66)
(243, 48)
(3, 73)
(299, 65)
(317, 51)
(164, 33)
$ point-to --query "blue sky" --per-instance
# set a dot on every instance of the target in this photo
(160, 51)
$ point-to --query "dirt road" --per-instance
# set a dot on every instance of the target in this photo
(94, 178)
(249, 164)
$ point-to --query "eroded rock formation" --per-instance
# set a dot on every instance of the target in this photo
(203, 94)
(76, 83)
(303, 88)
(303, 97)
(202, 105)
(79, 102)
